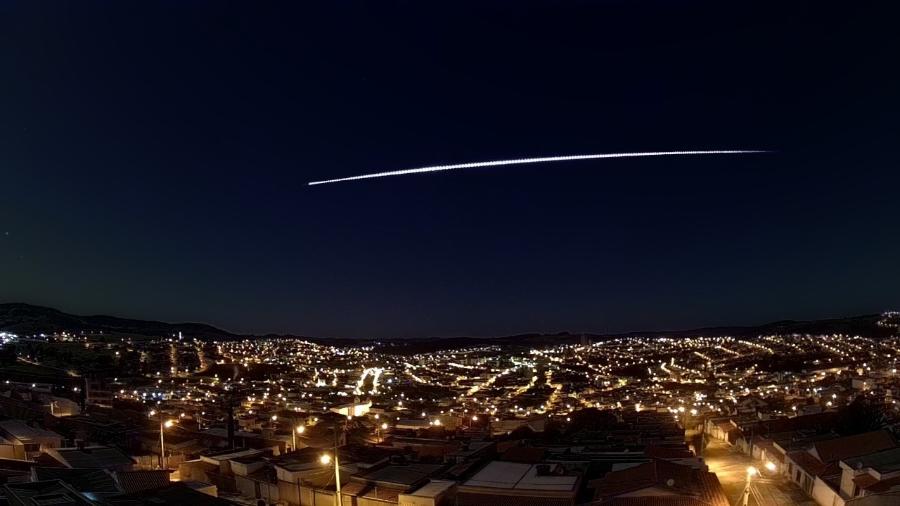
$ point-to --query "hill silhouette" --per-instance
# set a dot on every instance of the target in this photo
(28, 319)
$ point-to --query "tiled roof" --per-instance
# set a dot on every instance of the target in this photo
(810, 464)
(31, 493)
(883, 485)
(865, 481)
(832, 450)
(137, 481)
(690, 483)
(83, 480)
(175, 494)
(95, 457)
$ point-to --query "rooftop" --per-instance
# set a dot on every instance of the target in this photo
(887, 461)
(514, 475)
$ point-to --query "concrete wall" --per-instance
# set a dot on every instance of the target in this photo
(825, 495)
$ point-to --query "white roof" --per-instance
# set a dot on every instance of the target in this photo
(432, 489)
(513, 475)
(20, 430)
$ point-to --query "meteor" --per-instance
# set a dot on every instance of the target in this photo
(545, 159)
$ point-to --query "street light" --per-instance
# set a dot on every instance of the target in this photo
(751, 472)
(298, 430)
(326, 459)
(379, 431)
(771, 466)
(163, 425)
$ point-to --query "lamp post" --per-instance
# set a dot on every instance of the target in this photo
(326, 459)
(751, 472)
(297, 430)
(163, 425)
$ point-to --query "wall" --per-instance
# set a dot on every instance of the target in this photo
(825, 495)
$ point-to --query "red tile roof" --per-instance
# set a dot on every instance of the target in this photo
(883, 485)
(807, 462)
(865, 481)
(690, 483)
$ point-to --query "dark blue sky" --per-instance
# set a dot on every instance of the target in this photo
(154, 161)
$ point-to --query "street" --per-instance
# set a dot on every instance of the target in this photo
(730, 465)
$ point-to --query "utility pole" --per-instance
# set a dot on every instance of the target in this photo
(751, 471)
(230, 420)
(337, 471)
(162, 443)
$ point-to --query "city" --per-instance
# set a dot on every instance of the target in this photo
(466, 253)
(802, 418)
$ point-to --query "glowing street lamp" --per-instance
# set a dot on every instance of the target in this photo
(751, 472)
(326, 459)
(163, 425)
(300, 429)
(379, 431)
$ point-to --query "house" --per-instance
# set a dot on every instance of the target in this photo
(660, 481)
(131, 482)
(816, 469)
(255, 477)
(30, 440)
(42, 492)
(92, 483)
(534, 423)
(502, 483)
(871, 475)
(434, 493)
(385, 484)
(91, 457)
(217, 467)
(175, 494)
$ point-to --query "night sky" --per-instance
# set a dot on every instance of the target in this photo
(154, 159)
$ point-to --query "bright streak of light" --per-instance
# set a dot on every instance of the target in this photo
(523, 161)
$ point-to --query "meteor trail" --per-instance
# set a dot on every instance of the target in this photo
(522, 161)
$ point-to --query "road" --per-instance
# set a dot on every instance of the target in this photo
(730, 465)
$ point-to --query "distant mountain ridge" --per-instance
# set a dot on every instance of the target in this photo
(28, 319)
